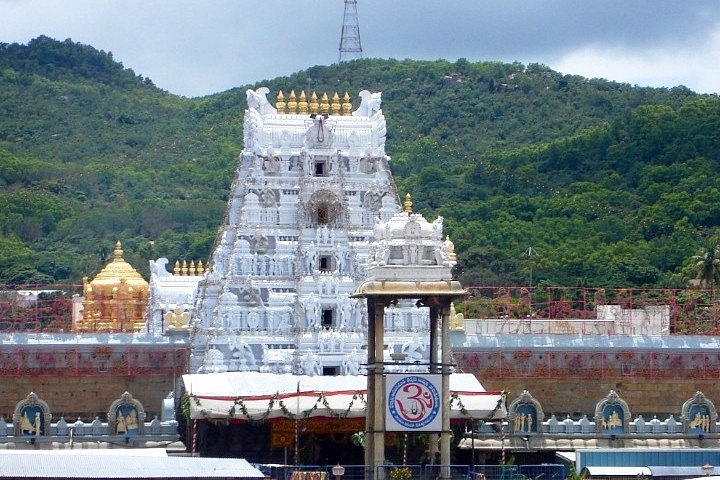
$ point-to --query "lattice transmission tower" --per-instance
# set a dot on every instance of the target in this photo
(350, 47)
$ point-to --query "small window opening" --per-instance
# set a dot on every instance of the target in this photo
(325, 263)
(327, 318)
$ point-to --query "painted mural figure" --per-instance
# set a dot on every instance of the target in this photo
(132, 421)
(612, 421)
(701, 422)
(28, 427)
(127, 421)
(121, 425)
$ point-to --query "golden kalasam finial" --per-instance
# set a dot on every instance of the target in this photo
(118, 252)
(324, 104)
(302, 104)
(280, 105)
(192, 268)
(408, 203)
(347, 105)
(184, 268)
(314, 104)
(200, 268)
(336, 104)
(292, 103)
(176, 268)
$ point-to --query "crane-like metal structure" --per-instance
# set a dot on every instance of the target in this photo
(350, 46)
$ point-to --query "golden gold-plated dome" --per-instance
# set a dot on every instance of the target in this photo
(117, 270)
(116, 299)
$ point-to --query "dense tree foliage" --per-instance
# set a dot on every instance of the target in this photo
(611, 184)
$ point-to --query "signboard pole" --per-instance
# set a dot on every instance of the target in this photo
(375, 420)
(445, 393)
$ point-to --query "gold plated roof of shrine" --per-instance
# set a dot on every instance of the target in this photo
(118, 270)
(405, 289)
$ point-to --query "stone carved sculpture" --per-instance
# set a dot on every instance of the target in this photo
(177, 320)
(369, 105)
(257, 99)
(158, 267)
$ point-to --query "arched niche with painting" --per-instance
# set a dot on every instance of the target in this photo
(699, 415)
(612, 415)
(126, 417)
(32, 417)
(525, 415)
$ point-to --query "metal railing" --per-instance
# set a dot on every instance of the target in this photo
(689, 311)
(418, 472)
(49, 308)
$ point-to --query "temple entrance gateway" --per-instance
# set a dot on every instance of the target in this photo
(410, 261)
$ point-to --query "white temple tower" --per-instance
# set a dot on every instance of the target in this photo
(312, 182)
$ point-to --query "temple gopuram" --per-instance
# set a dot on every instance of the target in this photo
(312, 183)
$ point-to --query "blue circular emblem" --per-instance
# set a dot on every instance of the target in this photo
(414, 402)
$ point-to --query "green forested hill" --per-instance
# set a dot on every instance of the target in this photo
(612, 185)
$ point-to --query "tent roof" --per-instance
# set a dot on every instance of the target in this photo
(258, 396)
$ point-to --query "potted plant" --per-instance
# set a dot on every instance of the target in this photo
(401, 473)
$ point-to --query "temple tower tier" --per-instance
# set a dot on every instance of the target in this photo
(312, 184)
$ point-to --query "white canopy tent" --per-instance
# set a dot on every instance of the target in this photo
(259, 396)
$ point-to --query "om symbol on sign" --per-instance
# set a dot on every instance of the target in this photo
(413, 402)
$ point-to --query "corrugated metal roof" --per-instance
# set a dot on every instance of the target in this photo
(129, 464)
(671, 457)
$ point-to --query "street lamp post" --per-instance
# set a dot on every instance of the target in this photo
(338, 470)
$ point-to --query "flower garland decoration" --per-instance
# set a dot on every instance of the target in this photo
(240, 409)
(455, 399)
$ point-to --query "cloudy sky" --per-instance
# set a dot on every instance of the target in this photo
(200, 47)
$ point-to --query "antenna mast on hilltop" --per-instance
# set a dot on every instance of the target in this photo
(350, 47)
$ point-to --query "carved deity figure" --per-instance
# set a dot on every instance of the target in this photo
(310, 258)
(253, 320)
(351, 364)
(312, 311)
(346, 311)
(311, 364)
(177, 320)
